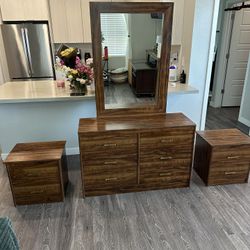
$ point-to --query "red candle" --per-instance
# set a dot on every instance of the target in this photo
(106, 53)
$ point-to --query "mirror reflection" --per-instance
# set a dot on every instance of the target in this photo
(131, 46)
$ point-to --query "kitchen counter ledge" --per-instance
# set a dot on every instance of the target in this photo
(38, 91)
(47, 91)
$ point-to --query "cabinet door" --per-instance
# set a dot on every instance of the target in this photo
(177, 20)
(36, 10)
(86, 19)
(59, 21)
(12, 10)
(23, 10)
(74, 21)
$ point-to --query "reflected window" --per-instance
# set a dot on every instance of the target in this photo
(115, 33)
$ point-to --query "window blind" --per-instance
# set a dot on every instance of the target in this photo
(115, 33)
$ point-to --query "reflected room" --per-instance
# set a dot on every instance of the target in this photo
(131, 45)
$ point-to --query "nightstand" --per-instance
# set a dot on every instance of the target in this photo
(37, 172)
(222, 156)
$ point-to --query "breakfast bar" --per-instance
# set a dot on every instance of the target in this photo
(41, 111)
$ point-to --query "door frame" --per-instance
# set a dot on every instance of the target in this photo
(222, 63)
(209, 64)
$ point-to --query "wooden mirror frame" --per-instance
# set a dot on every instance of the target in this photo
(96, 8)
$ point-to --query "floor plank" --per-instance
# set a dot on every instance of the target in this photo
(198, 217)
(220, 118)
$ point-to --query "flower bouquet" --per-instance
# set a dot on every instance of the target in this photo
(79, 77)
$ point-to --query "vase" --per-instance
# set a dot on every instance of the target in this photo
(77, 89)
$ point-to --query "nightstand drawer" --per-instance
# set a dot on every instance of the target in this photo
(37, 194)
(231, 154)
(28, 174)
(228, 174)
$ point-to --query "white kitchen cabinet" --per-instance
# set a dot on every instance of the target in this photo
(177, 21)
(86, 19)
(24, 10)
(66, 20)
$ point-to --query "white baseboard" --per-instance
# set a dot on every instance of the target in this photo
(69, 151)
(72, 151)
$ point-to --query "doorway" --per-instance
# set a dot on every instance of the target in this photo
(230, 64)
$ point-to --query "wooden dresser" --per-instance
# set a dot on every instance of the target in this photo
(136, 153)
(222, 156)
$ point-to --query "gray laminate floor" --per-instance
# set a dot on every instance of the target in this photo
(220, 118)
(121, 94)
(198, 217)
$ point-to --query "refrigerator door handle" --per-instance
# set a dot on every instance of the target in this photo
(25, 51)
(28, 49)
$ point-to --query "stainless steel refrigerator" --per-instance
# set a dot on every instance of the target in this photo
(28, 50)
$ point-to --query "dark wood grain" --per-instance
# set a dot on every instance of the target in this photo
(37, 172)
(135, 153)
(36, 151)
(140, 123)
(96, 8)
(222, 156)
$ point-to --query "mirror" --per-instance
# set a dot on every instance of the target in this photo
(131, 45)
(130, 61)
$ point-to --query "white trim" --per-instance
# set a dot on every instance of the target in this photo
(209, 64)
(244, 121)
(69, 151)
(72, 151)
(221, 65)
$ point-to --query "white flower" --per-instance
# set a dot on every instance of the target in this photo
(89, 61)
(70, 76)
(82, 81)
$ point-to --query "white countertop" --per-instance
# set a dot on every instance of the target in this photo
(179, 88)
(38, 91)
(47, 91)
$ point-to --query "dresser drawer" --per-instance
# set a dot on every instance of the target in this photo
(167, 137)
(109, 162)
(229, 173)
(176, 171)
(231, 154)
(109, 176)
(107, 142)
(166, 154)
(37, 194)
(30, 174)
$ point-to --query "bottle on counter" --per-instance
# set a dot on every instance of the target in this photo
(173, 71)
(183, 77)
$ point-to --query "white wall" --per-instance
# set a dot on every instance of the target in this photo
(194, 105)
(144, 30)
(46, 121)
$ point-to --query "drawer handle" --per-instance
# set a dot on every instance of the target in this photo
(165, 174)
(30, 175)
(233, 157)
(230, 173)
(166, 158)
(111, 179)
(110, 162)
(37, 192)
(167, 140)
(110, 145)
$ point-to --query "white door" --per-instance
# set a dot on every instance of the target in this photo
(238, 58)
